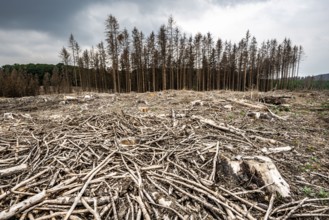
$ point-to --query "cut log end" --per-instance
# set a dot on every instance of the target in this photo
(261, 169)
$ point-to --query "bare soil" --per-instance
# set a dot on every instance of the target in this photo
(117, 156)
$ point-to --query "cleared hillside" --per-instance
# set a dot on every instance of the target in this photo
(165, 155)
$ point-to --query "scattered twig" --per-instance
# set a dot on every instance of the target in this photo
(114, 161)
(268, 212)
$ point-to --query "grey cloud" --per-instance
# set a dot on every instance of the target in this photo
(55, 20)
(235, 2)
(57, 17)
(40, 15)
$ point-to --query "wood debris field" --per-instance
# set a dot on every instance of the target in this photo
(165, 155)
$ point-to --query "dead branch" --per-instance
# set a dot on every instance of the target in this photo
(161, 158)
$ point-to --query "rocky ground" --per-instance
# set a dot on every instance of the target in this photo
(166, 155)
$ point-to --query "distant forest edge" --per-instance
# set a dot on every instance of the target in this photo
(167, 59)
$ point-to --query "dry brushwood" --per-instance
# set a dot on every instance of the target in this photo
(102, 162)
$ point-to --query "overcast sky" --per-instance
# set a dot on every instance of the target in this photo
(34, 31)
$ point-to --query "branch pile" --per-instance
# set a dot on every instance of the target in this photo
(135, 165)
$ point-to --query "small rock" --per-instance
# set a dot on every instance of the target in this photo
(70, 98)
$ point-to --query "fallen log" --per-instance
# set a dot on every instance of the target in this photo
(13, 170)
(21, 206)
(246, 104)
(276, 116)
(275, 150)
(219, 126)
(70, 98)
(66, 200)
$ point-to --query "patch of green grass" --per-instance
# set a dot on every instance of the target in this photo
(323, 193)
(310, 148)
(231, 116)
(296, 142)
(307, 191)
(284, 108)
(323, 113)
(307, 167)
(325, 105)
(313, 158)
(310, 166)
(313, 164)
